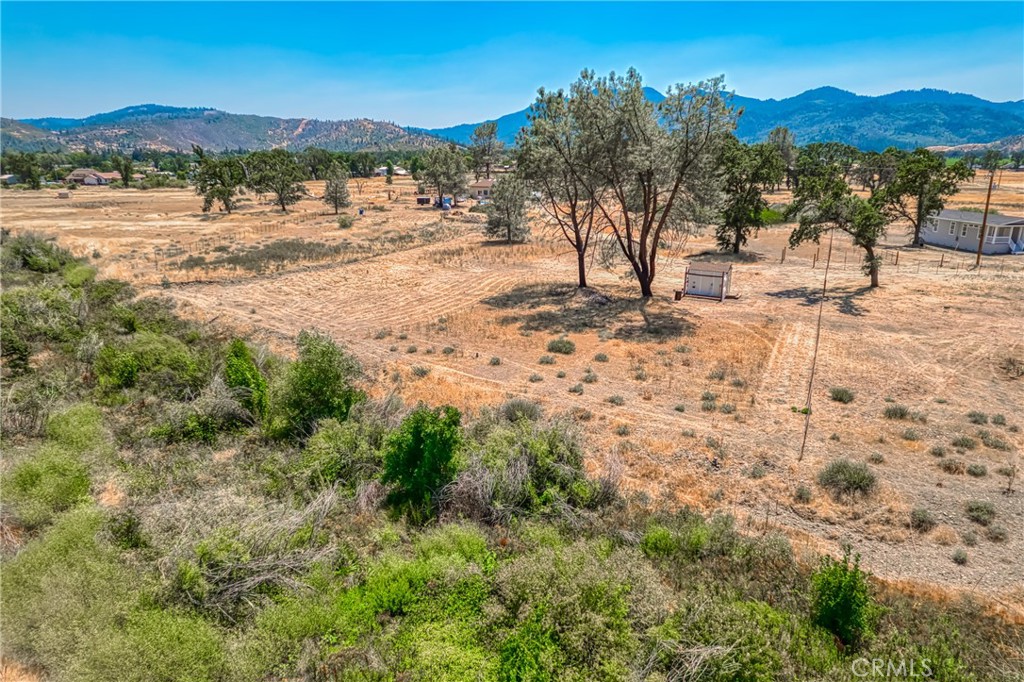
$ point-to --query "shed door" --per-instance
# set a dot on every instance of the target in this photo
(702, 285)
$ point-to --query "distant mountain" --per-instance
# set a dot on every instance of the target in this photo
(19, 136)
(906, 119)
(151, 126)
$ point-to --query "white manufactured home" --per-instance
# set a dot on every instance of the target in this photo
(960, 229)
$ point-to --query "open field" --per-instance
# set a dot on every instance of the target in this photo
(405, 290)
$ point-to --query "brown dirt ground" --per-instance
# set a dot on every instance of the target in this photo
(932, 337)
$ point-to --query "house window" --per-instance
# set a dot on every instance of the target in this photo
(935, 227)
(963, 231)
(952, 228)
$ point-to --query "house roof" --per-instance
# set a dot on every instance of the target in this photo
(976, 217)
(709, 268)
(482, 184)
(84, 173)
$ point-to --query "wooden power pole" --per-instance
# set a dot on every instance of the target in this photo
(984, 218)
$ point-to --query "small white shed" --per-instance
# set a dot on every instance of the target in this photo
(708, 280)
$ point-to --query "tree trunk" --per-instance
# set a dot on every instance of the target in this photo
(736, 241)
(872, 267)
(581, 264)
(645, 288)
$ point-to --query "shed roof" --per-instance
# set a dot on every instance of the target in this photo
(709, 268)
(976, 217)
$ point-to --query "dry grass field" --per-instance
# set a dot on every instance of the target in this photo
(450, 318)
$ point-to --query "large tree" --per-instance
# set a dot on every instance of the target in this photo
(217, 179)
(549, 156)
(124, 167)
(485, 148)
(875, 170)
(25, 166)
(651, 166)
(782, 139)
(824, 202)
(922, 183)
(747, 170)
(336, 189)
(277, 172)
(506, 214)
(445, 171)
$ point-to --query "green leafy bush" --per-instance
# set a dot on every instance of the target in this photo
(242, 374)
(420, 458)
(841, 600)
(52, 481)
(318, 385)
(160, 362)
(346, 452)
(36, 253)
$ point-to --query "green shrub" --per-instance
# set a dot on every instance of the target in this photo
(514, 409)
(659, 543)
(562, 346)
(420, 458)
(960, 556)
(535, 378)
(976, 417)
(803, 494)
(164, 361)
(964, 442)
(589, 377)
(601, 357)
(616, 400)
(623, 430)
(982, 513)
(841, 601)
(922, 520)
(937, 451)
(977, 470)
(420, 371)
(546, 360)
(78, 275)
(997, 533)
(953, 466)
(999, 419)
(494, 361)
(680, 407)
(576, 389)
(845, 478)
(242, 374)
(318, 385)
(896, 412)
(910, 434)
(346, 452)
(52, 481)
(36, 253)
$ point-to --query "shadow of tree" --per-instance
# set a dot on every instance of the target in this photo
(845, 299)
(565, 308)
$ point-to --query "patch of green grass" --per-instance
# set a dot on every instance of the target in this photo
(976, 417)
(616, 400)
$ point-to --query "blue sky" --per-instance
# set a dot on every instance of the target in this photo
(436, 64)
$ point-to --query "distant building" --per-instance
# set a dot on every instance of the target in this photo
(960, 229)
(481, 189)
(9, 179)
(87, 176)
(383, 171)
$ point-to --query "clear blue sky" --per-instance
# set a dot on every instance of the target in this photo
(432, 64)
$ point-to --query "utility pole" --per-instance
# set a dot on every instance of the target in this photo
(984, 218)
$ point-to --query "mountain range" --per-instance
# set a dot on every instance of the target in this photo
(906, 119)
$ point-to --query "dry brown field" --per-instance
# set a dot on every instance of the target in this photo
(408, 290)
